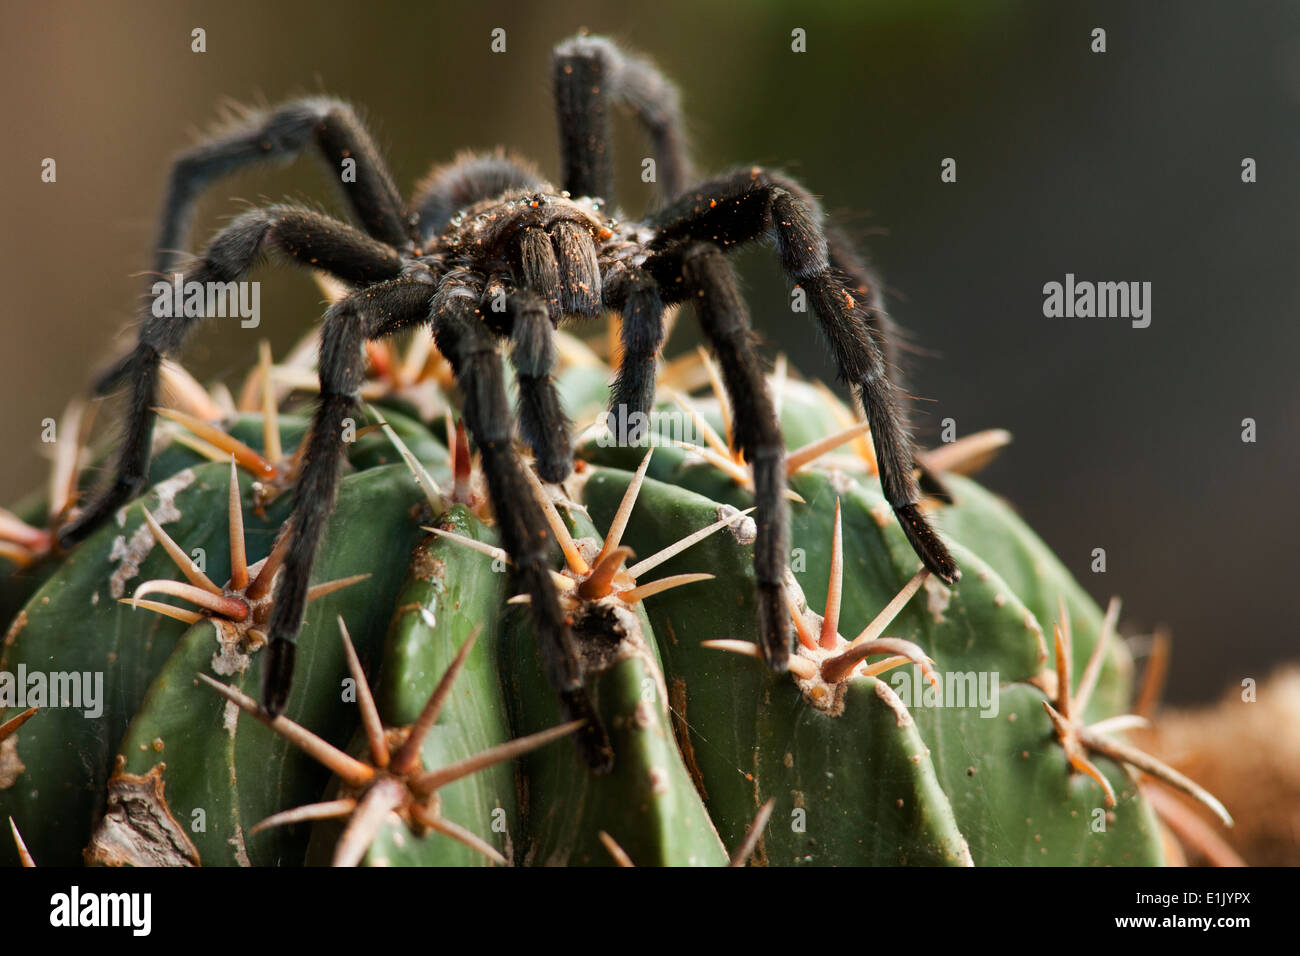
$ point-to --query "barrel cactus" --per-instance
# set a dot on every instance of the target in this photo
(919, 723)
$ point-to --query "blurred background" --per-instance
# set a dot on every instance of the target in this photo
(1117, 166)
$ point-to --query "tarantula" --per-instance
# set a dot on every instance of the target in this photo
(486, 252)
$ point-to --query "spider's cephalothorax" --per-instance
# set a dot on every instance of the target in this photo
(485, 252)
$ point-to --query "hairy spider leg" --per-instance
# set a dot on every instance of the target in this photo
(891, 338)
(588, 74)
(263, 136)
(635, 294)
(305, 237)
(282, 133)
(523, 318)
(348, 324)
(709, 282)
(465, 340)
(591, 72)
(385, 309)
(748, 205)
(542, 420)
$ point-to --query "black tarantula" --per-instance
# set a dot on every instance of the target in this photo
(488, 230)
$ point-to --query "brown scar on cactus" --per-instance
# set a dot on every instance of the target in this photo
(243, 606)
(138, 828)
(824, 660)
(1078, 740)
(395, 780)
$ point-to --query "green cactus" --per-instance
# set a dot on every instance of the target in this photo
(920, 724)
